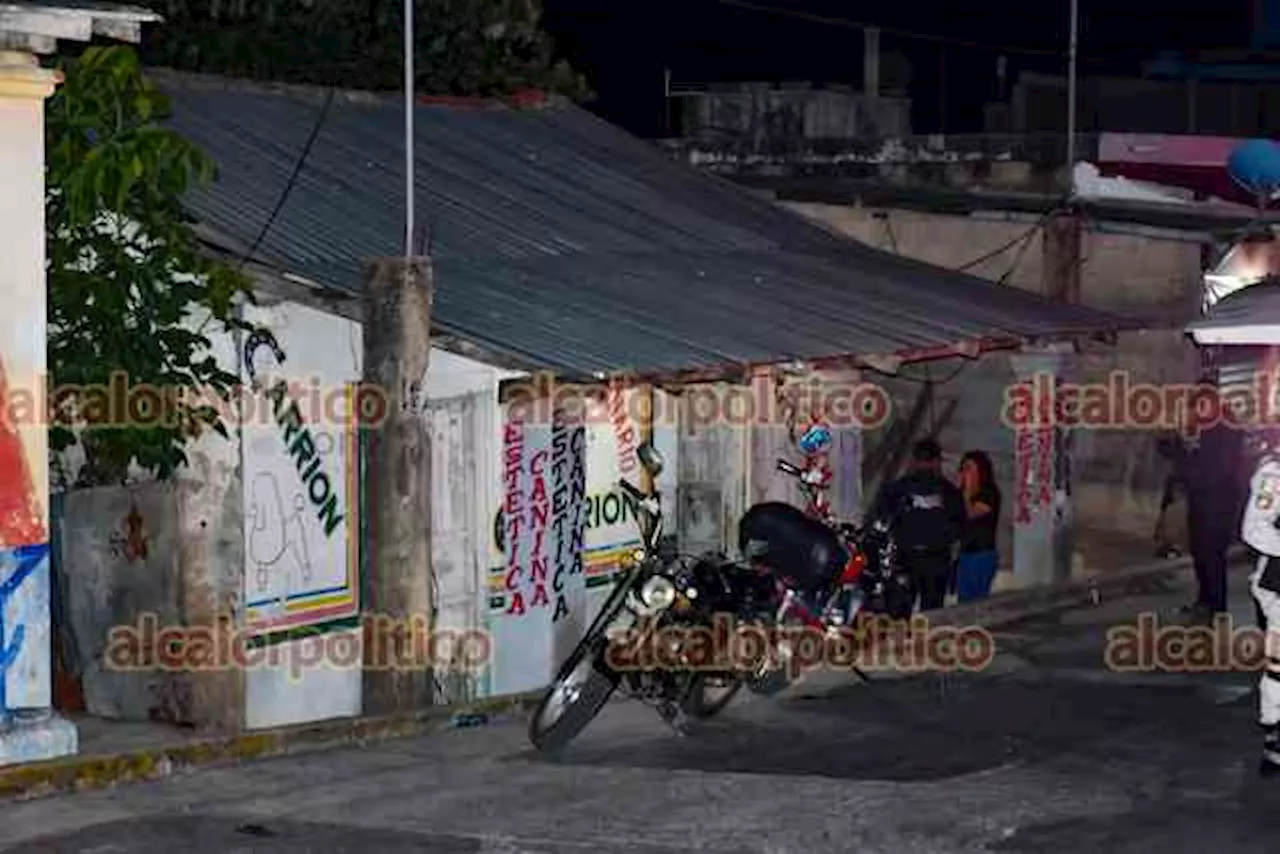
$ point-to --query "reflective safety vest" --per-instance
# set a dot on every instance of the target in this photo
(1258, 528)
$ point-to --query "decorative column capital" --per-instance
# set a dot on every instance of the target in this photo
(21, 76)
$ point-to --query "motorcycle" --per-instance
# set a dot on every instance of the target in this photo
(799, 571)
(660, 589)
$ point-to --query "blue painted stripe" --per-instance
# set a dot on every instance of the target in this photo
(27, 560)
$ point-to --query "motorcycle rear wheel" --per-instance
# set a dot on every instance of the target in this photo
(776, 673)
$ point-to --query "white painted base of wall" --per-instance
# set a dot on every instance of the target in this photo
(49, 736)
(305, 680)
(522, 655)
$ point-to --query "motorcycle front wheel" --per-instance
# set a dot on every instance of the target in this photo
(584, 682)
(776, 672)
(578, 694)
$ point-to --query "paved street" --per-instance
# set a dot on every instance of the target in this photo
(1046, 751)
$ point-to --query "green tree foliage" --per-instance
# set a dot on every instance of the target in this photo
(130, 292)
(462, 47)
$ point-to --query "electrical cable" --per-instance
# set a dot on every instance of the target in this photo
(293, 178)
(1005, 247)
(939, 382)
(1017, 259)
(901, 376)
(905, 34)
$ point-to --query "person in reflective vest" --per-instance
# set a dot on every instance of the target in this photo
(1260, 530)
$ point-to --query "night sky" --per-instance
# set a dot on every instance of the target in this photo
(624, 47)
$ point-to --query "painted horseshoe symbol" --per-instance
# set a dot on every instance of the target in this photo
(257, 339)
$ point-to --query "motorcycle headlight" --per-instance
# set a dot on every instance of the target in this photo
(658, 592)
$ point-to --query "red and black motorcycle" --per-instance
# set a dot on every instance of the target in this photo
(797, 569)
(827, 574)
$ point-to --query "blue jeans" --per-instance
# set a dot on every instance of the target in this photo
(974, 573)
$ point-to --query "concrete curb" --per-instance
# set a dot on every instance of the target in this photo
(1012, 606)
(83, 772)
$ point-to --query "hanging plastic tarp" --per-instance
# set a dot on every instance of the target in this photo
(1247, 263)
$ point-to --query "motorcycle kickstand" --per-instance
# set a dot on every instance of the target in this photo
(861, 674)
(672, 711)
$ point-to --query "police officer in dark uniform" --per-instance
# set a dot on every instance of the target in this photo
(926, 512)
(1215, 502)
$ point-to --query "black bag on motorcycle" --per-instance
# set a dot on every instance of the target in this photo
(802, 551)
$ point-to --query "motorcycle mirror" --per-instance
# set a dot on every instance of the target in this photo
(650, 459)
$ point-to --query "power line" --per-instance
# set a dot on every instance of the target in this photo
(1005, 247)
(1017, 259)
(903, 34)
(293, 178)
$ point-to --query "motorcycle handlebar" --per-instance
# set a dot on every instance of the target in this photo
(632, 493)
(788, 468)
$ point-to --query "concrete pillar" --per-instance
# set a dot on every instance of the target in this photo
(396, 590)
(871, 62)
(29, 729)
(1040, 506)
(1061, 270)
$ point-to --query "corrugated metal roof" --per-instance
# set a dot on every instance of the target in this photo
(562, 242)
(1250, 315)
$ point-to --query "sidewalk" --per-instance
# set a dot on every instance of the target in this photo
(113, 753)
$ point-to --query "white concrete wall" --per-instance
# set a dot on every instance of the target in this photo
(302, 522)
(230, 519)
(323, 352)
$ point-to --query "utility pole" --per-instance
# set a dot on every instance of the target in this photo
(410, 90)
(871, 62)
(1064, 230)
(666, 102)
(396, 595)
(1061, 242)
(942, 89)
(1071, 98)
